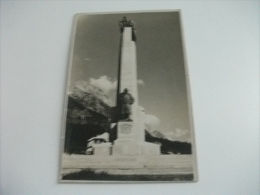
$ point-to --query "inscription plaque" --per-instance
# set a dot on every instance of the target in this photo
(126, 128)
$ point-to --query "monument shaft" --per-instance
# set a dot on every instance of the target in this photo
(128, 68)
(130, 117)
(130, 134)
(128, 80)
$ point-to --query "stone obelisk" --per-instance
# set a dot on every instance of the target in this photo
(131, 129)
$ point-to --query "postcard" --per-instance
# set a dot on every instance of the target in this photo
(127, 116)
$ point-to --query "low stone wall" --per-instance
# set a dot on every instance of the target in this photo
(158, 164)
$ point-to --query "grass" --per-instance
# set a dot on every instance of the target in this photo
(89, 174)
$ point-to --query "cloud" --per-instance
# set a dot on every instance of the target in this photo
(178, 134)
(152, 120)
(189, 140)
(107, 84)
(104, 83)
(140, 82)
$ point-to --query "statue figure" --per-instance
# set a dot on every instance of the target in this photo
(122, 24)
(126, 23)
(125, 108)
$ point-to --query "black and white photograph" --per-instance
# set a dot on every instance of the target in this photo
(128, 113)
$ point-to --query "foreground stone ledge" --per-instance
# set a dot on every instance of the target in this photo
(182, 163)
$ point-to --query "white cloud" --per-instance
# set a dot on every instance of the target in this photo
(152, 120)
(140, 82)
(141, 108)
(104, 83)
(189, 140)
(107, 84)
(177, 134)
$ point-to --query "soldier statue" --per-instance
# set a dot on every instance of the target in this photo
(127, 23)
(125, 105)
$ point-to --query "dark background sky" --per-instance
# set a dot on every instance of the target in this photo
(160, 64)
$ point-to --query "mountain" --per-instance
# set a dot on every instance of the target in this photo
(91, 98)
(88, 115)
(168, 146)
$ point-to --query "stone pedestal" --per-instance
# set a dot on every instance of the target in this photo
(103, 149)
(150, 148)
(134, 148)
(128, 142)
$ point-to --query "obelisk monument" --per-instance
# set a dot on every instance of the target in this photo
(130, 116)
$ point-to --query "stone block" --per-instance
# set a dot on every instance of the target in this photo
(150, 149)
(130, 147)
(126, 149)
(103, 149)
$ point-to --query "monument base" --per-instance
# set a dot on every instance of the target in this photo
(103, 149)
(128, 147)
(130, 140)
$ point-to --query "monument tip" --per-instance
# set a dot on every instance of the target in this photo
(126, 23)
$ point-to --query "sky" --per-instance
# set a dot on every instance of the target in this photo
(160, 65)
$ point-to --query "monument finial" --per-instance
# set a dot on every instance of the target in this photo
(126, 23)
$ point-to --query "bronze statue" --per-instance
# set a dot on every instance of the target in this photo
(127, 23)
(125, 105)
